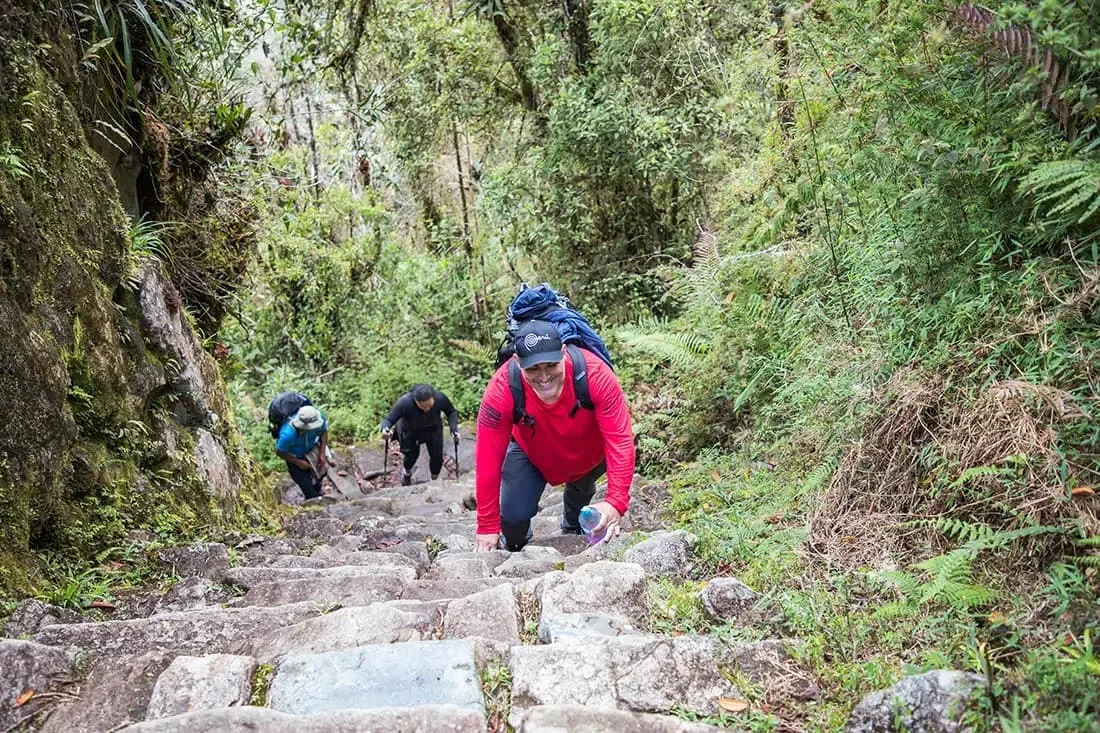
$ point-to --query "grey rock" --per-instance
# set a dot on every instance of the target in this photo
(381, 584)
(380, 623)
(27, 665)
(345, 543)
(172, 337)
(222, 477)
(373, 558)
(462, 566)
(432, 590)
(383, 675)
(116, 692)
(491, 614)
(423, 719)
(558, 627)
(610, 550)
(190, 594)
(30, 614)
(458, 542)
(643, 674)
(296, 561)
(931, 702)
(190, 684)
(312, 525)
(602, 587)
(664, 553)
(727, 599)
(580, 719)
(768, 665)
(190, 632)
(201, 560)
(248, 577)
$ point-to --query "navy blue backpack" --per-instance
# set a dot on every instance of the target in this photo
(543, 303)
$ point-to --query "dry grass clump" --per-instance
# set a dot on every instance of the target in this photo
(933, 454)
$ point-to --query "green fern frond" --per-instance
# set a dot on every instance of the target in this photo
(967, 595)
(894, 610)
(907, 583)
(1070, 187)
(679, 349)
(472, 350)
(979, 472)
(824, 471)
(1093, 541)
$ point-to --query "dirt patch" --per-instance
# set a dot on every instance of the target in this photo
(933, 453)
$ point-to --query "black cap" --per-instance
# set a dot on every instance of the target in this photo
(537, 342)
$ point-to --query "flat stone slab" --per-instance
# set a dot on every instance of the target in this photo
(933, 702)
(247, 577)
(462, 566)
(115, 693)
(423, 719)
(380, 675)
(637, 673)
(602, 587)
(313, 525)
(383, 584)
(491, 614)
(579, 719)
(212, 682)
(188, 632)
(664, 553)
(374, 558)
(380, 623)
(562, 626)
(201, 559)
(31, 614)
(434, 590)
(768, 665)
(27, 666)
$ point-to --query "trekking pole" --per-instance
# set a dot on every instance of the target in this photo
(456, 456)
(385, 459)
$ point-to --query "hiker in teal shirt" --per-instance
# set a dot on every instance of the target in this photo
(303, 444)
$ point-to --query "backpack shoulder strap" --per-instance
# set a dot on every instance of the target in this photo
(519, 401)
(580, 379)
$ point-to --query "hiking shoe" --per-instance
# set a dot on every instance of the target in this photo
(571, 530)
(407, 479)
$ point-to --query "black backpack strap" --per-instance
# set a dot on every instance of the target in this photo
(519, 400)
(580, 380)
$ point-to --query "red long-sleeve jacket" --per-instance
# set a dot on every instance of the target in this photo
(561, 447)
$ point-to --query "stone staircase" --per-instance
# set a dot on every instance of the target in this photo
(374, 614)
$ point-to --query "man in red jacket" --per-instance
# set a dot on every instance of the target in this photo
(554, 440)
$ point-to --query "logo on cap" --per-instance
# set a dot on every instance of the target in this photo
(531, 340)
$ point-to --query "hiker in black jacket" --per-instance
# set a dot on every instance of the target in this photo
(417, 418)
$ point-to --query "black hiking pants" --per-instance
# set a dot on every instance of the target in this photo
(411, 440)
(521, 487)
(307, 482)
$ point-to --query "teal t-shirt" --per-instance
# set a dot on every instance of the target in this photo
(298, 442)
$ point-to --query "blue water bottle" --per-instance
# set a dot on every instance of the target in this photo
(589, 520)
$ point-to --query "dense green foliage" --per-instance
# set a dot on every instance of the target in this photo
(846, 254)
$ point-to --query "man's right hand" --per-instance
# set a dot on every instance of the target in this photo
(486, 542)
(387, 433)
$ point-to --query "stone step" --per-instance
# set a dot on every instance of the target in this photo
(341, 589)
(634, 673)
(251, 576)
(406, 674)
(189, 632)
(378, 623)
(431, 590)
(27, 665)
(580, 719)
(210, 682)
(420, 719)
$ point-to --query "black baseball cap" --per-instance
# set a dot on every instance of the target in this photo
(537, 342)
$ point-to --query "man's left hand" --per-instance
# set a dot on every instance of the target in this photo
(610, 520)
(456, 436)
